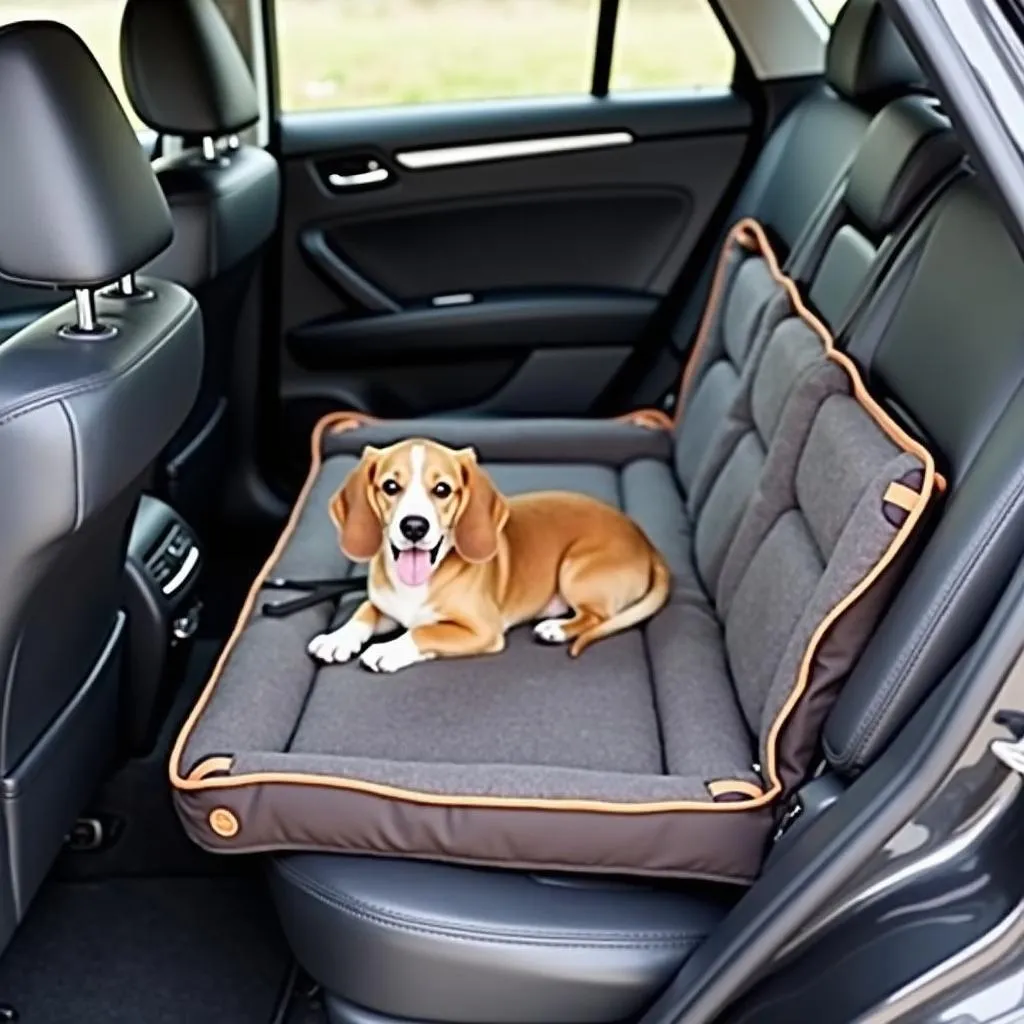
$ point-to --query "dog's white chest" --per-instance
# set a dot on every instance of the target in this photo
(408, 606)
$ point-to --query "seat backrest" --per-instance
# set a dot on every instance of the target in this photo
(806, 158)
(948, 358)
(804, 492)
(89, 396)
(186, 76)
(724, 433)
(830, 485)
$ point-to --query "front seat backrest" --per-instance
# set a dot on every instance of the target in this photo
(186, 76)
(89, 396)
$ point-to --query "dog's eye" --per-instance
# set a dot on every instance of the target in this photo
(391, 487)
(442, 490)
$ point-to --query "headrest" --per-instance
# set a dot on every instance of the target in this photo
(867, 60)
(79, 206)
(183, 70)
(907, 148)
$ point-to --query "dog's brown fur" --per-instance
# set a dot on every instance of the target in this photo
(511, 560)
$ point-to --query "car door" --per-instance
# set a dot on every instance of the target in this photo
(446, 249)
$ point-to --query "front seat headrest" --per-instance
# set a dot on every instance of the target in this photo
(868, 62)
(183, 69)
(79, 206)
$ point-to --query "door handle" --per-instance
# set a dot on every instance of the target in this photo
(375, 174)
(370, 177)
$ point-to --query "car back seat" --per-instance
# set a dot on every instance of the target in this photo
(787, 407)
(805, 160)
(942, 352)
(919, 347)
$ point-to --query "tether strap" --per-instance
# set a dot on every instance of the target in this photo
(319, 592)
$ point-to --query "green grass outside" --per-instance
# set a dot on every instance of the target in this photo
(357, 53)
(338, 53)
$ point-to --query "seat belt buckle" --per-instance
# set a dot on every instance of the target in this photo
(1010, 752)
(792, 810)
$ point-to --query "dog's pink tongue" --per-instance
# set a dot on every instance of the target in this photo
(413, 566)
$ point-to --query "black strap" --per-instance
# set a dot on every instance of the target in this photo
(318, 592)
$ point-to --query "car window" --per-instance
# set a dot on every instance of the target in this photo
(358, 53)
(98, 22)
(829, 9)
(668, 44)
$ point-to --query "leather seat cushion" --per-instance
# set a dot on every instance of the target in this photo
(421, 941)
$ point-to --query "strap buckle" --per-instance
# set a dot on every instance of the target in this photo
(793, 809)
(314, 592)
(1011, 752)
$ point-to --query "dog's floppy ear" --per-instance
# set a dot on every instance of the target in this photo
(483, 513)
(356, 519)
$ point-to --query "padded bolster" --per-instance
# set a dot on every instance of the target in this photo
(868, 62)
(908, 147)
(79, 205)
(485, 946)
(604, 442)
(183, 69)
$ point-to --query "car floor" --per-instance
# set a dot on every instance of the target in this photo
(150, 950)
(150, 929)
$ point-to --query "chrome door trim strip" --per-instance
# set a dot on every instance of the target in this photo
(450, 156)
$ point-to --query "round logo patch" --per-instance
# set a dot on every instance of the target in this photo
(224, 822)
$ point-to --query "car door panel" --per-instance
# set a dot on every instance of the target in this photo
(584, 337)
(590, 238)
(429, 263)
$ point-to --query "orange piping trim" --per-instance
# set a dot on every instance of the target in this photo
(720, 787)
(894, 431)
(211, 765)
(350, 420)
(656, 419)
(322, 426)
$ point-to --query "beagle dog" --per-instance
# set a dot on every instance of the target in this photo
(457, 564)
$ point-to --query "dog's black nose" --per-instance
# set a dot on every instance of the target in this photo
(414, 528)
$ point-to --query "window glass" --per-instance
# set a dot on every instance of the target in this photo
(670, 44)
(359, 53)
(829, 9)
(98, 22)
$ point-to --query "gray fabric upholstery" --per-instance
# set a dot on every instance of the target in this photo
(725, 507)
(651, 496)
(520, 780)
(778, 582)
(767, 501)
(599, 482)
(704, 734)
(476, 711)
(603, 442)
(752, 306)
(795, 520)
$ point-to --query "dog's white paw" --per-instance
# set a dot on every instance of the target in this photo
(394, 655)
(551, 631)
(342, 644)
